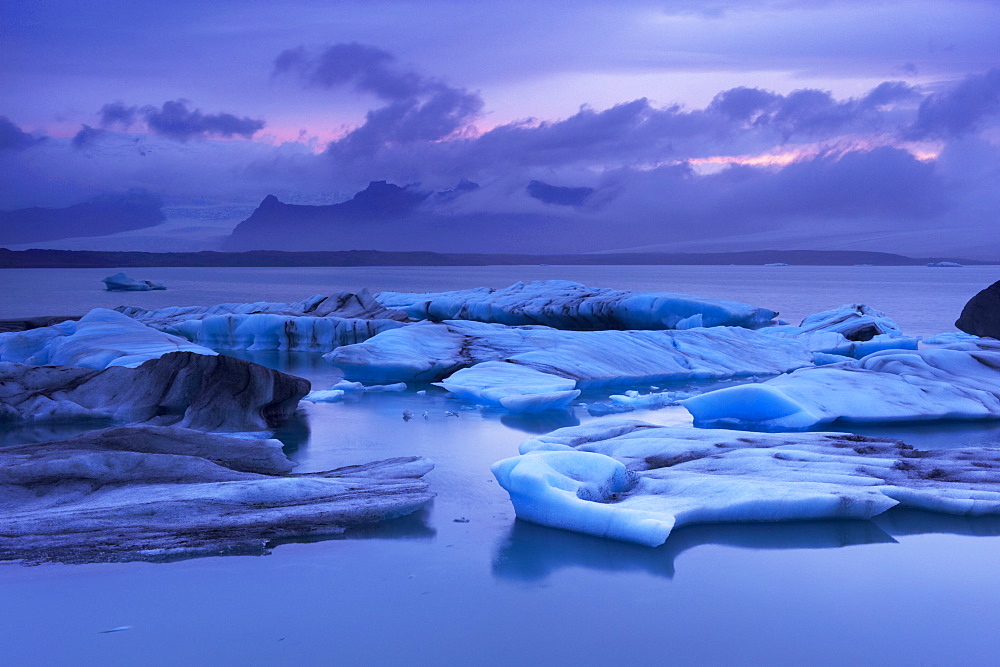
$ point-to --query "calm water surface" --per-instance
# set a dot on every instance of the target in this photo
(907, 588)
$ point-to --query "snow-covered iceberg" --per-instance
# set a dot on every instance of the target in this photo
(427, 351)
(567, 305)
(100, 339)
(317, 324)
(147, 492)
(960, 381)
(211, 393)
(121, 282)
(633, 481)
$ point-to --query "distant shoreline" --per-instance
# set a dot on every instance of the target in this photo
(79, 259)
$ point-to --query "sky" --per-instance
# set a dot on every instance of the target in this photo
(714, 125)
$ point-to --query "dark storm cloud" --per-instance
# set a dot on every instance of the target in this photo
(87, 136)
(175, 120)
(13, 138)
(960, 110)
(418, 109)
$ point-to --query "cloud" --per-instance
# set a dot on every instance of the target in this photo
(13, 138)
(175, 120)
(87, 136)
(960, 110)
(418, 109)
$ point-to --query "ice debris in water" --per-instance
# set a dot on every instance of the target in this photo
(317, 324)
(567, 305)
(100, 339)
(633, 400)
(633, 481)
(959, 381)
(344, 387)
(121, 282)
(152, 492)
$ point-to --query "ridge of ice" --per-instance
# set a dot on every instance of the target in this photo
(959, 381)
(568, 305)
(633, 481)
(100, 339)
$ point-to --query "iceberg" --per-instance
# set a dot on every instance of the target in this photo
(512, 387)
(426, 352)
(210, 393)
(317, 324)
(959, 381)
(120, 282)
(633, 481)
(100, 339)
(854, 330)
(147, 493)
(344, 387)
(567, 305)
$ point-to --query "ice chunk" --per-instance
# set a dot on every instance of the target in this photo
(568, 305)
(120, 282)
(633, 481)
(427, 351)
(152, 492)
(100, 339)
(960, 381)
(212, 393)
(516, 388)
(324, 396)
(317, 324)
(949, 338)
(339, 390)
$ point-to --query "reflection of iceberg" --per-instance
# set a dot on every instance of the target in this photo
(100, 339)
(635, 482)
(568, 305)
(960, 381)
(532, 552)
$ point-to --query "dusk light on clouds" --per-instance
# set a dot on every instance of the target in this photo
(699, 126)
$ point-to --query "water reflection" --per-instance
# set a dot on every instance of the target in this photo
(531, 553)
(32, 432)
(540, 422)
(294, 434)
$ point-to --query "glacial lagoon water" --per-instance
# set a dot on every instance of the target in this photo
(464, 583)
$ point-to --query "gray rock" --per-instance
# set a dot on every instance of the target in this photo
(981, 315)
(184, 389)
(147, 493)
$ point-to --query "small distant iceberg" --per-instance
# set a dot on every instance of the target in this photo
(121, 282)
(944, 264)
(777, 264)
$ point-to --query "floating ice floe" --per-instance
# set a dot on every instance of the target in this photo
(100, 339)
(854, 330)
(632, 481)
(960, 381)
(140, 493)
(121, 282)
(344, 387)
(317, 324)
(426, 351)
(567, 305)
(634, 400)
(211, 393)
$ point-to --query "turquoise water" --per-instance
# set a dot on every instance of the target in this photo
(907, 588)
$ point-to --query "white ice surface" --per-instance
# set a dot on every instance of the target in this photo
(344, 387)
(633, 481)
(427, 351)
(100, 339)
(568, 305)
(960, 381)
(510, 386)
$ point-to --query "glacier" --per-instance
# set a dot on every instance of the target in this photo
(568, 305)
(633, 481)
(957, 381)
(210, 393)
(149, 493)
(317, 324)
(99, 339)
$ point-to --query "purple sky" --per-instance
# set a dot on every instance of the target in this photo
(699, 125)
